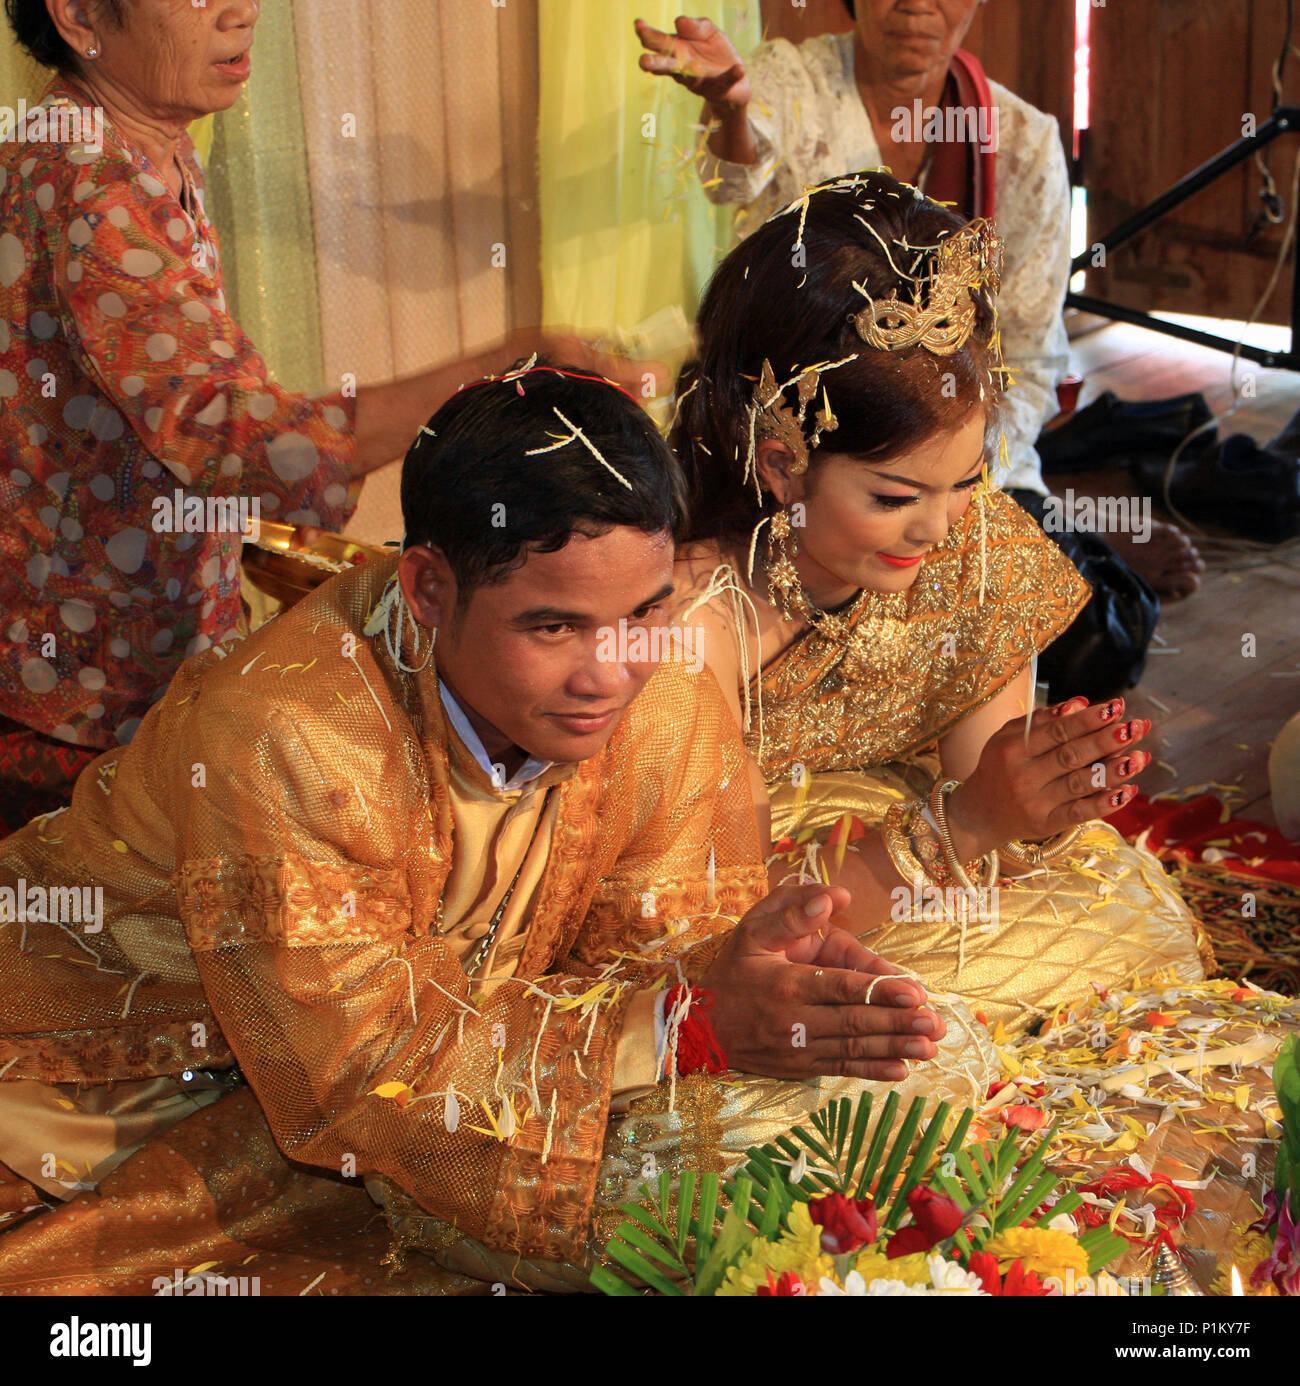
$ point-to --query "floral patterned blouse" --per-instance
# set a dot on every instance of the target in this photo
(123, 380)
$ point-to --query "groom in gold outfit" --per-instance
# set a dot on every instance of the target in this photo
(424, 901)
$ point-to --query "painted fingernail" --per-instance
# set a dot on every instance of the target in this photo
(916, 1049)
(1148, 722)
(1109, 711)
(1125, 766)
(1123, 733)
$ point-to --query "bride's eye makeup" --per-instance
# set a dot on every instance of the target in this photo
(887, 502)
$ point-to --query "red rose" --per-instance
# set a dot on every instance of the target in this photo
(905, 1241)
(846, 1223)
(788, 1284)
(937, 1215)
(935, 1218)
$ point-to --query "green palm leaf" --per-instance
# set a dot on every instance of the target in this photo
(1002, 1184)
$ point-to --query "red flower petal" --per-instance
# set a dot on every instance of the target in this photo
(985, 1265)
(1025, 1118)
(937, 1215)
(907, 1240)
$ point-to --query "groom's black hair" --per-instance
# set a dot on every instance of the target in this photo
(475, 487)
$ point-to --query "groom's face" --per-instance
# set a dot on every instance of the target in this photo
(531, 659)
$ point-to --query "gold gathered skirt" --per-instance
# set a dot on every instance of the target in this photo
(1101, 917)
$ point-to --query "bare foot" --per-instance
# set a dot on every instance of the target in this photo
(1168, 560)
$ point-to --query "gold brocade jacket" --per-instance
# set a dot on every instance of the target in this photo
(272, 848)
(996, 592)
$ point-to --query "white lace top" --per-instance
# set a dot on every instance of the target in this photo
(810, 126)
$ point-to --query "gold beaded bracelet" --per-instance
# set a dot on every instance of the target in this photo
(928, 846)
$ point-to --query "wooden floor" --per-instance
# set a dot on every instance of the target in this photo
(1221, 709)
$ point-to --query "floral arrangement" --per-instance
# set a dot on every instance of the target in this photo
(1276, 1266)
(845, 1209)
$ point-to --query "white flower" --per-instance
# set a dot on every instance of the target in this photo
(855, 1285)
(951, 1278)
(1063, 1222)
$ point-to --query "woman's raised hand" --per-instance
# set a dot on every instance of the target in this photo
(700, 57)
(1071, 768)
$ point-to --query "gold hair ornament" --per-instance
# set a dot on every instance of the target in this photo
(772, 417)
(943, 312)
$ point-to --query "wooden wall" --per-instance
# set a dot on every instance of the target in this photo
(1167, 95)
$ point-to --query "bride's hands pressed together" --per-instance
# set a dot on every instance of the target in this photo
(1071, 768)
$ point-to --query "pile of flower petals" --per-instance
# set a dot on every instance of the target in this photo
(1102, 1068)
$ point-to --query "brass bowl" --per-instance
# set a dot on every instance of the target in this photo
(285, 569)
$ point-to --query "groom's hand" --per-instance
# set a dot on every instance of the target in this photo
(790, 993)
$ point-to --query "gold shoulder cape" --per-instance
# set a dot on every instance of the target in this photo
(996, 592)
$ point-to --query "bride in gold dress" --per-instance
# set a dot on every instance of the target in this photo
(874, 606)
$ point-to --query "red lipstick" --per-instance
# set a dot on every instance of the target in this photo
(896, 562)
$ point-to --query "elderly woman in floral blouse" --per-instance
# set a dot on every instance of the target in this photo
(123, 377)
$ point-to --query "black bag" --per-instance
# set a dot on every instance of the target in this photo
(1104, 650)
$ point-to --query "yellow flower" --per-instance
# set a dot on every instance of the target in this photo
(1041, 1250)
(799, 1250)
(1251, 1248)
(875, 1265)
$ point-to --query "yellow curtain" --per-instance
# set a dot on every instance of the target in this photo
(20, 77)
(627, 236)
(260, 197)
(201, 133)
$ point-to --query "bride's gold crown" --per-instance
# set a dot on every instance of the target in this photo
(941, 316)
(943, 311)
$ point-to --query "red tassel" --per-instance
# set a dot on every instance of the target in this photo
(698, 1050)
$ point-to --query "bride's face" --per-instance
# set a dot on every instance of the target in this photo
(869, 525)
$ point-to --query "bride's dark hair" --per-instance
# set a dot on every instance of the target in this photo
(768, 300)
